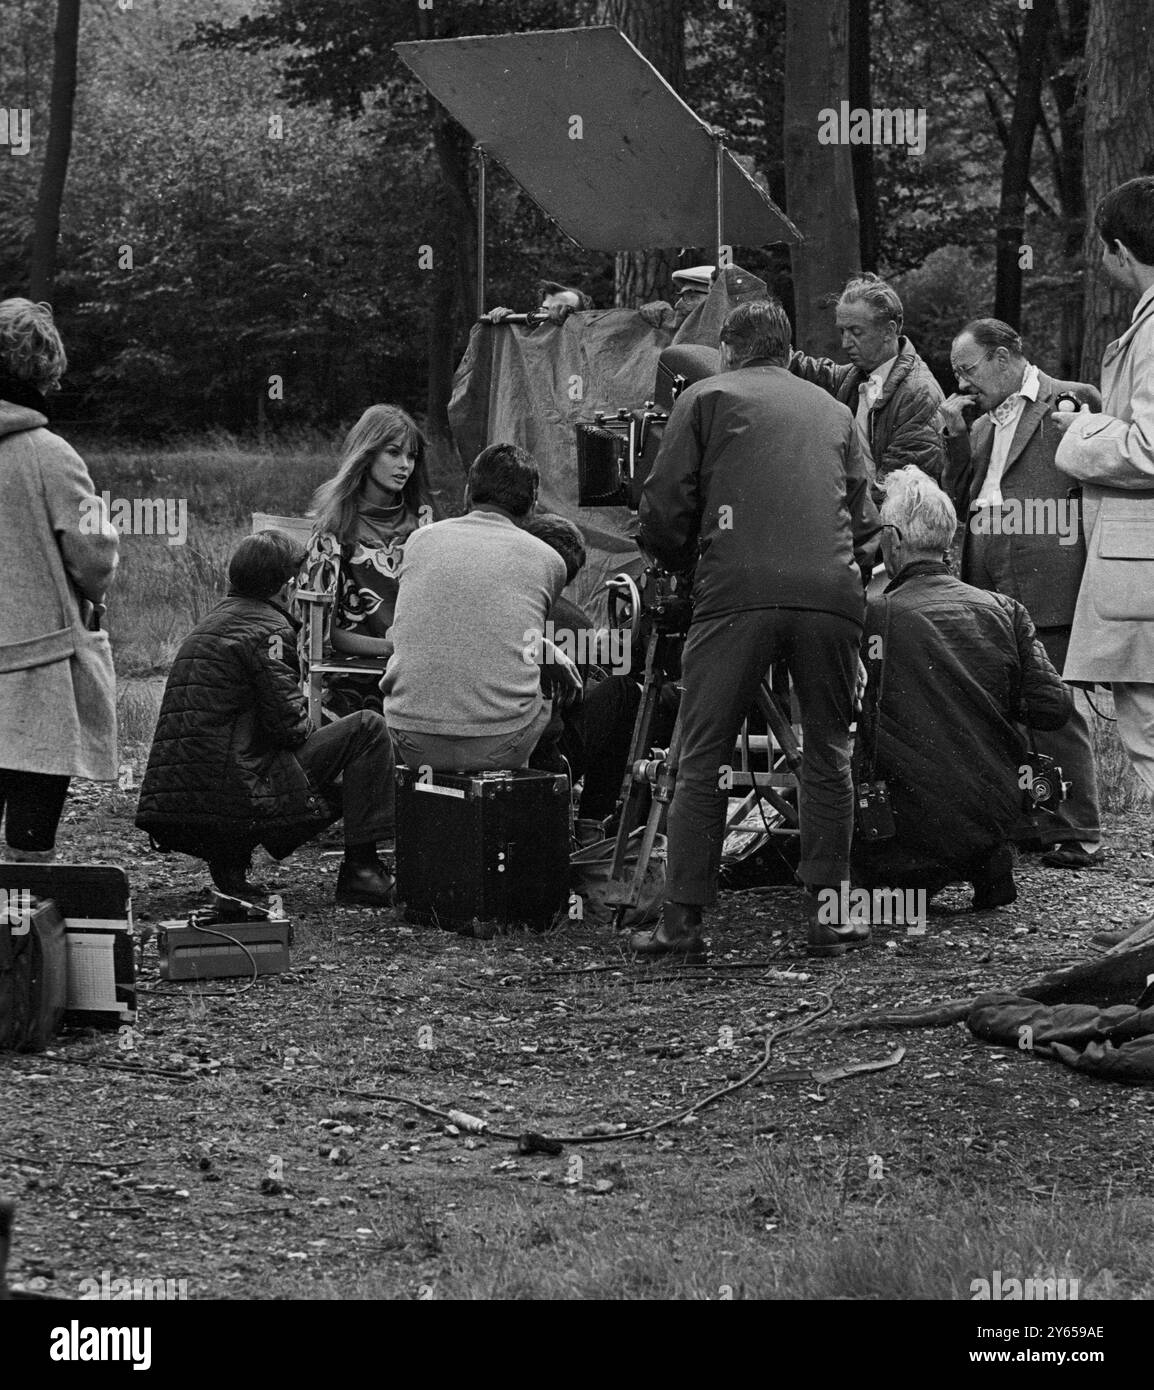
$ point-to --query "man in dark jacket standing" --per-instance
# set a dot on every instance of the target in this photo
(761, 485)
(957, 669)
(233, 764)
(893, 394)
(1022, 537)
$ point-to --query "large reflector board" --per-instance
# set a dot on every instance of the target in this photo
(597, 137)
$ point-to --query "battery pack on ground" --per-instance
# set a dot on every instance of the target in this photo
(484, 852)
(190, 950)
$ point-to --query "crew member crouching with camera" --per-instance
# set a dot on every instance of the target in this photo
(761, 475)
(951, 670)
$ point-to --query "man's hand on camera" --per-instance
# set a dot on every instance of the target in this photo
(562, 679)
(497, 315)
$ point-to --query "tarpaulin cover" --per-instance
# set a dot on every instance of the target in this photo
(531, 387)
(1115, 1043)
(597, 138)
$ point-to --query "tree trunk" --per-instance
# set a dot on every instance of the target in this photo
(1119, 146)
(454, 249)
(454, 261)
(1068, 48)
(1016, 161)
(53, 174)
(862, 156)
(657, 28)
(818, 178)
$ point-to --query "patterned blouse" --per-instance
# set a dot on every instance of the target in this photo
(369, 565)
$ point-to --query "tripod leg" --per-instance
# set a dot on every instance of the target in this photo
(780, 727)
(632, 790)
(662, 796)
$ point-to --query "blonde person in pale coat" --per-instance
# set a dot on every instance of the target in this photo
(1112, 454)
(58, 553)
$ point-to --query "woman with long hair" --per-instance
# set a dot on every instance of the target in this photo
(363, 515)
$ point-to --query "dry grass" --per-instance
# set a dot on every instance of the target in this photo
(162, 591)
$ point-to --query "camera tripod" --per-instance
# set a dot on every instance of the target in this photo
(654, 771)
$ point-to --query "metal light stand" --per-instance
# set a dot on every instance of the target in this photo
(719, 182)
(479, 151)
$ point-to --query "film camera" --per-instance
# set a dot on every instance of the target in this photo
(615, 454)
(615, 451)
(664, 599)
(1044, 788)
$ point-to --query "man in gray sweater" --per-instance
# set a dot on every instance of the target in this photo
(463, 687)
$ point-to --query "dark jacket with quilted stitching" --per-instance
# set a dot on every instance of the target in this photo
(221, 775)
(962, 668)
(904, 427)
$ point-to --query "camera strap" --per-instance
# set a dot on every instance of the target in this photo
(871, 705)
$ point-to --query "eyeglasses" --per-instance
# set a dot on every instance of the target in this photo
(891, 526)
(966, 373)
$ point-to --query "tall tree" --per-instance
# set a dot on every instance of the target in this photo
(1119, 146)
(818, 177)
(1067, 50)
(657, 28)
(862, 156)
(1016, 163)
(54, 173)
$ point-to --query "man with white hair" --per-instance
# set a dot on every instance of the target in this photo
(952, 671)
(892, 392)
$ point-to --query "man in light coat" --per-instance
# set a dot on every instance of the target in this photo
(1111, 454)
(58, 553)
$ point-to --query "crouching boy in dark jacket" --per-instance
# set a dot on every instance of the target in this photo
(233, 763)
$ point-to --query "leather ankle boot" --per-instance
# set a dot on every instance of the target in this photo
(677, 934)
(364, 885)
(231, 879)
(830, 931)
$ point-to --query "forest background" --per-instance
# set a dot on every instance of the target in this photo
(241, 191)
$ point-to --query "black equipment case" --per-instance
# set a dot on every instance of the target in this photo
(33, 974)
(482, 852)
(96, 904)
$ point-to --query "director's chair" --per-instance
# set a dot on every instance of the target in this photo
(313, 600)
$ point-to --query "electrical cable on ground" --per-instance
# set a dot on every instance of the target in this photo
(210, 993)
(473, 1125)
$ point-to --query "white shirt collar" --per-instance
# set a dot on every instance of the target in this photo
(1031, 383)
(878, 376)
(1143, 304)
